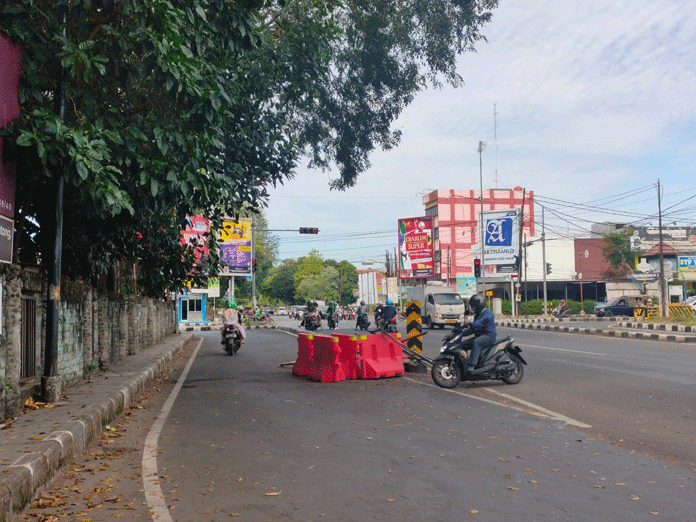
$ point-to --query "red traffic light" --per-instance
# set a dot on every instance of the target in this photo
(477, 268)
(304, 230)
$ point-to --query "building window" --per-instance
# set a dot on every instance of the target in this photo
(432, 211)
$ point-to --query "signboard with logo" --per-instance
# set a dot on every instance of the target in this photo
(466, 286)
(6, 237)
(647, 239)
(687, 268)
(416, 248)
(235, 247)
(501, 239)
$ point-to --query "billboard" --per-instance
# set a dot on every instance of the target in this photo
(195, 235)
(501, 239)
(416, 248)
(235, 247)
(687, 268)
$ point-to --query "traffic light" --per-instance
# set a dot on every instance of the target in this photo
(304, 230)
(477, 268)
(548, 268)
(253, 265)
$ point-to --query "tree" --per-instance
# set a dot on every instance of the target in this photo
(319, 286)
(193, 107)
(280, 285)
(617, 251)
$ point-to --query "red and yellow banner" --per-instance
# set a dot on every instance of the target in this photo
(416, 248)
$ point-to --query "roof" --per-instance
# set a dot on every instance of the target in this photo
(666, 250)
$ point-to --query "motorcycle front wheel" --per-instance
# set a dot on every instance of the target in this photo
(446, 373)
(517, 374)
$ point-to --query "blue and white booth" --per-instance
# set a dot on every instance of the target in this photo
(192, 309)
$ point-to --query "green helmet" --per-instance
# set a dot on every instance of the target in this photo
(232, 304)
(389, 302)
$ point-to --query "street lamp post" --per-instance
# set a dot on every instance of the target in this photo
(481, 147)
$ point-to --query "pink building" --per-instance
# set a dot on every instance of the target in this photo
(456, 232)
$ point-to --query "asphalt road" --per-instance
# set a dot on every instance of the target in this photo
(245, 439)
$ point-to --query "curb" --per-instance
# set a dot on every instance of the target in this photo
(536, 324)
(27, 475)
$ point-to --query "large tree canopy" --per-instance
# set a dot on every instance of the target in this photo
(187, 107)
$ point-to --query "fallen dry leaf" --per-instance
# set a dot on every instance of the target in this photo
(511, 488)
(273, 493)
(473, 511)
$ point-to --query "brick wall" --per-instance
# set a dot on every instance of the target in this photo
(95, 329)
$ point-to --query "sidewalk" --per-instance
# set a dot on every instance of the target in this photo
(36, 445)
(607, 326)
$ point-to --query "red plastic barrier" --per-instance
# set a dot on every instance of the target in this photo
(380, 357)
(305, 354)
(350, 349)
(326, 362)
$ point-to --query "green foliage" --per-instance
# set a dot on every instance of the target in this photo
(536, 306)
(617, 250)
(194, 107)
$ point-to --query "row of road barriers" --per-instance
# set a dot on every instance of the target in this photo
(339, 357)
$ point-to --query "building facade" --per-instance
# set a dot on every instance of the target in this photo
(456, 234)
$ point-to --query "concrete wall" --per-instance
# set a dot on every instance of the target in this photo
(95, 329)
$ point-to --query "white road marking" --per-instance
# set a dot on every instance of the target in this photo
(558, 349)
(535, 410)
(153, 491)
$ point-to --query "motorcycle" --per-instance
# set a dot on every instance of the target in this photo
(502, 361)
(363, 323)
(311, 322)
(332, 321)
(233, 339)
(388, 326)
(558, 313)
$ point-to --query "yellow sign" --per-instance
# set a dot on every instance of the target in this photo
(236, 230)
(489, 293)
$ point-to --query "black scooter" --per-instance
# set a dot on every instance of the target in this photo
(362, 322)
(233, 339)
(502, 361)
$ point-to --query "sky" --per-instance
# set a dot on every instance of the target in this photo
(594, 101)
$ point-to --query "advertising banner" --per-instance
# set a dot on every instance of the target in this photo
(195, 235)
(646, 240)
(466, 286)
(235, 247)
(501, 239)
(687, 268)
(416, 248)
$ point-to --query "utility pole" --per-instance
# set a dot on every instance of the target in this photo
(495, 133)
(519, 267)
(50, 381)
(253, 256)
(543, 256)
(663, 282)
(481, 147)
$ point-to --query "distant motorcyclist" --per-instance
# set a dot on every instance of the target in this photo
(331, 316)
(230, 317)
(385, 314)
(483, 328)
(362, 312)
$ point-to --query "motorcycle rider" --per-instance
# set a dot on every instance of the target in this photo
(230, 316)
(483, 328)
(330, 315)
(386, 314)
(562, 308)
(362, 311)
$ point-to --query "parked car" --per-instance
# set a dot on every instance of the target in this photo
(268, 310)
(691, 301)
(282, 311)
(624, 305)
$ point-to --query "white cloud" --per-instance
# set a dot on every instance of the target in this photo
(593, 98)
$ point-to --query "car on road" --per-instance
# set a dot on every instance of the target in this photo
(282, 311)
(624, 305)
(269, 310)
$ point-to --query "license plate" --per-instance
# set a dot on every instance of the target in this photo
(451, 321)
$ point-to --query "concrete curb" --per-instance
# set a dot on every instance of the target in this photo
(25, 477)
(537, 324)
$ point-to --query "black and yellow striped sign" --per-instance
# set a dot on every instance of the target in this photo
(414, 327)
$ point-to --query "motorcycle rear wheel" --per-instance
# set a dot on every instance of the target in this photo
(517, 375)
(446, 373)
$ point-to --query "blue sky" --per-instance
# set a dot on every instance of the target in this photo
(593, 100)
